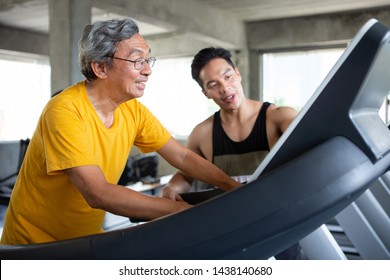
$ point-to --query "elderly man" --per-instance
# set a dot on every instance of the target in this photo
(80, 147)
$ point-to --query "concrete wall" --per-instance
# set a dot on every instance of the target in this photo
(315, 31)
(302, 33)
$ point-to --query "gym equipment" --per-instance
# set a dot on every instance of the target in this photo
(331, 154)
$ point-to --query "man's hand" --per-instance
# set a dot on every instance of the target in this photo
(170, 193)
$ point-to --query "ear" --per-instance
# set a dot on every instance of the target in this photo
(99, 69)
(237, 72)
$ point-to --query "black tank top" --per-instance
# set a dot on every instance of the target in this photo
(240, 158)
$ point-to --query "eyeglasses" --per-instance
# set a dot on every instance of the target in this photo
(139, 63)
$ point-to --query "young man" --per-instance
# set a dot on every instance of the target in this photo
(80, 147)
(236, 138)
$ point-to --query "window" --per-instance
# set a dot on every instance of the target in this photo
(175, 98)
(24, 91)
(291, 78)
(171, 94)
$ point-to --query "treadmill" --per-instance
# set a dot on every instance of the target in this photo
(334, 150)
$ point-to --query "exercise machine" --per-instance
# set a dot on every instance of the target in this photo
(330, 155)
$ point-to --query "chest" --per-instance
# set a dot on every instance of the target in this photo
(238, 132)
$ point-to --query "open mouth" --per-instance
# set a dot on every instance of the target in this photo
(229, 98)
(141, 85)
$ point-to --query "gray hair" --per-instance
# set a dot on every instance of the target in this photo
(99, 41)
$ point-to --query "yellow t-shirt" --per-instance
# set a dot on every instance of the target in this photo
(45, 206)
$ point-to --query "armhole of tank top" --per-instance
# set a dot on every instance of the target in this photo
(216, 117)
(263, 112)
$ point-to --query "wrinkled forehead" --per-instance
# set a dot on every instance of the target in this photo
(134, 45)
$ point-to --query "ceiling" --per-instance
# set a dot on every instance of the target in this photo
(255, 10)
(33, 14)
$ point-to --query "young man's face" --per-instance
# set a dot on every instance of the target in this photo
(222, 83)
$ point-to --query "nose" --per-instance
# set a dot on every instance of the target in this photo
(147, 70)
(223, 87)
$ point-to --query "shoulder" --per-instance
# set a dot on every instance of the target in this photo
(277, 112)
(281, 116)
(201, 134)
(203, 128)
(69, 97)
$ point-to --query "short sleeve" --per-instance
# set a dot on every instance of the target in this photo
(65, 141)
(152, 135)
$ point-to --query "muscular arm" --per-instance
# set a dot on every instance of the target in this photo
(98, 193)
(284, 117)
(278, 120)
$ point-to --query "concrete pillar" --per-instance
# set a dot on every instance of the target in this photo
(67, 19)
(242, 62)
(255, 76)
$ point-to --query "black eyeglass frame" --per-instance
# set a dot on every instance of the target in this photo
(139, 61)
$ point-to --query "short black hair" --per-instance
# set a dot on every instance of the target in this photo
(204, 56)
